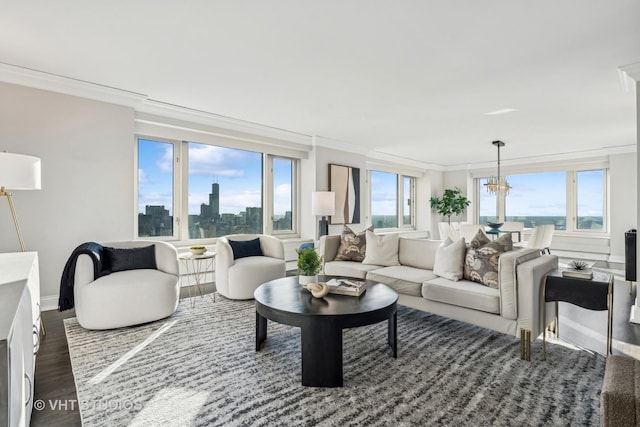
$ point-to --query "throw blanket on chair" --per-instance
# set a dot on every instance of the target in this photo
(94, 250)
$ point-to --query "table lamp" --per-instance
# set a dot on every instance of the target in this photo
(323, 203)
(18, 172)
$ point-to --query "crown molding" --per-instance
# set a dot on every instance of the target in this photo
(629, 75)
(573, 158)
(68, 86)
(222, 123)
(375, 156)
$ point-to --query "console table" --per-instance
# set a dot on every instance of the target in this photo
(19, 334)
(592, 294)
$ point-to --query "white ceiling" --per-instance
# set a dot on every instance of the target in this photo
(412, 79)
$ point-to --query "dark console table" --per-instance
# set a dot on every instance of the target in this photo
(321, 321)
(592, 294)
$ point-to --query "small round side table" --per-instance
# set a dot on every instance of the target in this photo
(198, 267)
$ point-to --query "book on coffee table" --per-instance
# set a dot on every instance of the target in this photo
(351, 287)
(578, 274)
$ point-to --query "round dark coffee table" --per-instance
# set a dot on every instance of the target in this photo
(321, 321)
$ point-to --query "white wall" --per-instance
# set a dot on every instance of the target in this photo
(457, 179)
(623, 193)
(87, 151)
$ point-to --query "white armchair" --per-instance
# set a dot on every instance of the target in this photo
(129, 297)
(239, 278)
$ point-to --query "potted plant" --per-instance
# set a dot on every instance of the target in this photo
(309, 265)
(451, 203)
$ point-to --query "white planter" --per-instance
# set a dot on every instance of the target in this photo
(305, 280)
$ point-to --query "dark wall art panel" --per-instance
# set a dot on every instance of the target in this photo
(345, 182)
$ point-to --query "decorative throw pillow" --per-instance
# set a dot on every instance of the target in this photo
(246, 248)
(121, 259)
(450, 259)
(382, 250)
(353, 246)
(481, 263)
(480, 239)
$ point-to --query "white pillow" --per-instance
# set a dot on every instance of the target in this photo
(382, 249)
(449, 262)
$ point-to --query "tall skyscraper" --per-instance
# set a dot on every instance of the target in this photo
(214, 200)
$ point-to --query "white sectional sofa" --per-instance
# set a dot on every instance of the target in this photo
(515, 305)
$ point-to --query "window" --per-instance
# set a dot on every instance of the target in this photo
(217, 190)
(572, 200)
(590, 200)
(156, 161)
(391, 200)
(225, 191)
(283, 172)
(537, 199)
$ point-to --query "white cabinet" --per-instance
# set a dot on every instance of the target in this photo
(19, 335)
(16, 355)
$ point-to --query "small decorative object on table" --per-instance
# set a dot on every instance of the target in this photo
(578, 269)
(318, 290)
(309, 265)
(351, 287)
(495, 225)
(198, 250)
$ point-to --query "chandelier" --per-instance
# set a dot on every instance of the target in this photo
(497, 184)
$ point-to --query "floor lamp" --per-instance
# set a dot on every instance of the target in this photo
(18, 172)
(323, 203)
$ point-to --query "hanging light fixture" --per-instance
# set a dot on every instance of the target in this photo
(497, 184)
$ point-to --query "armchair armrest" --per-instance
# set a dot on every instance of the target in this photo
(271, 246)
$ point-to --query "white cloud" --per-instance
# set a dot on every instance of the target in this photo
(210, 160)
(142, 177)
(155, 199)
(230, 202)
(282, 199)
(165, 162)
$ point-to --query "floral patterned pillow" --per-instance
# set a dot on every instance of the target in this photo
(481, 263)
(353, 245)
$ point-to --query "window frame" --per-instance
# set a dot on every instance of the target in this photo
(400, 198)
(571, 198)
(180, 208)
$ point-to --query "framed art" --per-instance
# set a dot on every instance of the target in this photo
(344, 181)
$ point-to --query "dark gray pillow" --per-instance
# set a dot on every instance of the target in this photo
(121, 259)
(246, 248)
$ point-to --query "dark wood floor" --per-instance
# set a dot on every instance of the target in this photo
(56, 388)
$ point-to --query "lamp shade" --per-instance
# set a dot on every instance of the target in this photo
(323, 203)
(19, 172)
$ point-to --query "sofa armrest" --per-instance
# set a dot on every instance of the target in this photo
(531, 275)
(329, 247)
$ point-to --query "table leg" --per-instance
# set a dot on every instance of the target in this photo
(392, 335)
(610, 318)
(544, 323)
(321, 353)
(261, 330)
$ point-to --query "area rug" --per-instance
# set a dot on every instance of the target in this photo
(200, 368)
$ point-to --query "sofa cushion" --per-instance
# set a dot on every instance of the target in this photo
(348, 268)
(381, 250)
(418, 253)
(402, 279)
(462, 293)
(450, 259)
(481, 263)
(353, 245)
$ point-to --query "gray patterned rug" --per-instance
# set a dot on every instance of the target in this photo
(199, 367)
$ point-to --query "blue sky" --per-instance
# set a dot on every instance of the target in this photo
(544, 194)
(238, 172)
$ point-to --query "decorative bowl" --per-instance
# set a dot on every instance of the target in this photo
(495, 225)
(198, 251)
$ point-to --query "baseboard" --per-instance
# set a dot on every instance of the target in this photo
(49, 303)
